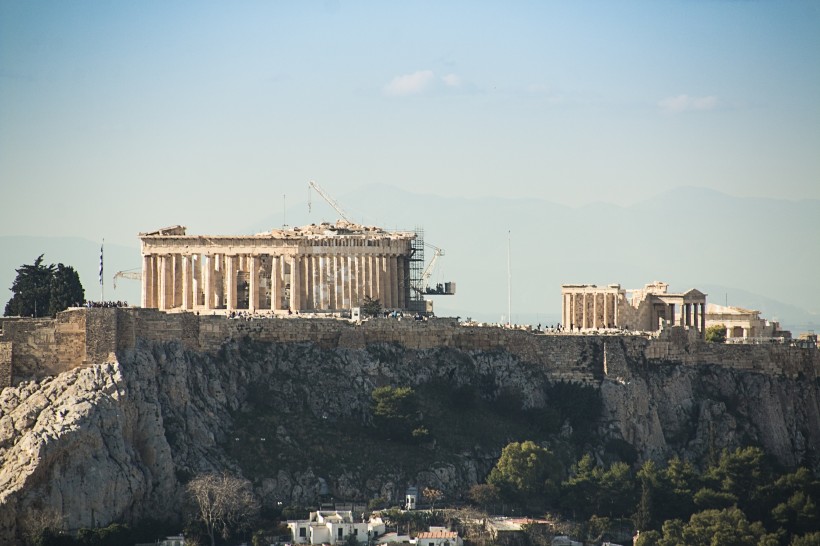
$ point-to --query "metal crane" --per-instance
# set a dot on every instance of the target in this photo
(328, 198)
(428, 271)
(132, 274)
(445, 289)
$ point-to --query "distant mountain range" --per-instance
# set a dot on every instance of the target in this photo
(752, 252)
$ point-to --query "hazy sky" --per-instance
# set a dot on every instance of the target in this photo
(119, 117)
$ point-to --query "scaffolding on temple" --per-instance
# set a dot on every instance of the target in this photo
(416, 302)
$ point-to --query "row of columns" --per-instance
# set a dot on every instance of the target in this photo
(343, 281)
(590, 310)
(692, 315)
(274, 282)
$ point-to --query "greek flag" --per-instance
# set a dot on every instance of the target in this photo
(101, 265)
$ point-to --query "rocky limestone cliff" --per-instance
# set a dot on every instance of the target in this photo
(114, 441)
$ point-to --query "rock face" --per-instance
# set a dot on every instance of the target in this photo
(113, 441)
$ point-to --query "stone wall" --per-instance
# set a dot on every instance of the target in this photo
(33, 345)
(5, 364)
(78, 337)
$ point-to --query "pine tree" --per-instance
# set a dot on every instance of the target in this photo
(43, 290)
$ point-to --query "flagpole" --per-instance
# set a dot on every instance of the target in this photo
(102, 283)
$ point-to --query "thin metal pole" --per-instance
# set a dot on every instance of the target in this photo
(509, 283)
(102, 282)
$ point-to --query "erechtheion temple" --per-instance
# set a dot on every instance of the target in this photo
(321, 267)
(587, 306)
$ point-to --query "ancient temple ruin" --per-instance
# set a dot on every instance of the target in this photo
(588, 306)
(324, 267)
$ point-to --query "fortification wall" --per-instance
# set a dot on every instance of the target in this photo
(40, 347)
(5, 364)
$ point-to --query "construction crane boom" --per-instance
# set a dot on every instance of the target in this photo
(312, 184)
(423, 286)
(127, 274)
(428, 271)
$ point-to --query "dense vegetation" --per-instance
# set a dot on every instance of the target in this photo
(545, 465)
(41, 290)
(740, 498)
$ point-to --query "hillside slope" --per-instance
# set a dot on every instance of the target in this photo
(116, 441)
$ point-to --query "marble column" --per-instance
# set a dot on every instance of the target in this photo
(187, 285)
(305, 284)
(175, 297)
(163, 283)
(702, 318)
(368, 276)
(383, 282)
(146, 282)
(361, 278)
(350, 282)
(338, 281)
(321, 286)
(401, 282)
(295, 281)
(253, 283)
(594, 311)
(208, 288)
(275, 282)
(393, 276)
(230, 282)
(584, 316)
(695, 322)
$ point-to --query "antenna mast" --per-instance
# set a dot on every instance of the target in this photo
(509, 283)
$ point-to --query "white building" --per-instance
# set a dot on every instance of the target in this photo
(332, 527)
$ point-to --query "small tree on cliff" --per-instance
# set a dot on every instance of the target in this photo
(371, 307)
(395, 411)
(716, 334)
(224, 503)
(526, 473)
(41, 290)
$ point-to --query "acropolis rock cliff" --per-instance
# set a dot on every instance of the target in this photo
(113, 408)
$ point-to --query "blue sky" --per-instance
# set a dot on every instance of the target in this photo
(119, 117)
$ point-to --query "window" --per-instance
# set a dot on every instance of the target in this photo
(302, 532)
(340, 532)
(355, 532)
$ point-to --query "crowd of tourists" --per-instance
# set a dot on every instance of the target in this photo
(96, 304)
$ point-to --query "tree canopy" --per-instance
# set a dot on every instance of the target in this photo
(715, 334)
(371, 307)
(41, 290)
(395, 411)
(224, 503)
(526, 472)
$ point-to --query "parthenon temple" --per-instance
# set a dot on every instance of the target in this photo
(588, 306)
(322, 267)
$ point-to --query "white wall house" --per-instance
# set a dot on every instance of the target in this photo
(438, 536)
(333, 527)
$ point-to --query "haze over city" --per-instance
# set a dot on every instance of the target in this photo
(121, 118)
